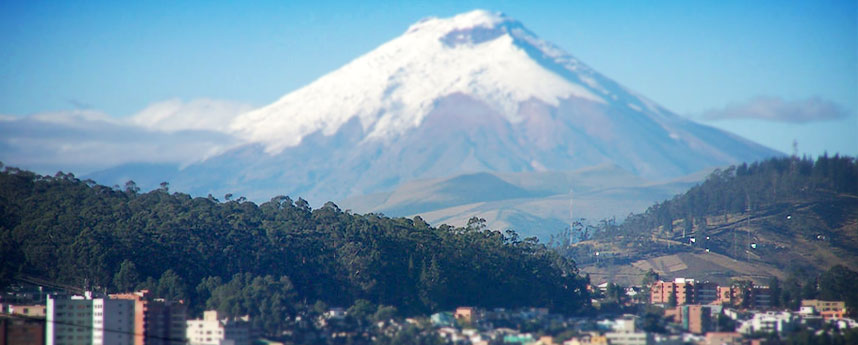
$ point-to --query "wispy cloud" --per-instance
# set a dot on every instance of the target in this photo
(84, 141)
(77, 104)
(780, 110)
(199, 114)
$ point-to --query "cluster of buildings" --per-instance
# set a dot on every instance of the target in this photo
(694, 313)
(135, 318)
(688, 324)
(690, 291)
(699, 304)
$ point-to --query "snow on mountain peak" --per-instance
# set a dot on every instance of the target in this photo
(473, 19)
(487, 56)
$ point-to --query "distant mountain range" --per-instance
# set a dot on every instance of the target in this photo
(478, 105)
(533, 203)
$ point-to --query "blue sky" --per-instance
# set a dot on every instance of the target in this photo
(692, 57)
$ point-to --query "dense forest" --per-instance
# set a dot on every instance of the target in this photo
(269, 259)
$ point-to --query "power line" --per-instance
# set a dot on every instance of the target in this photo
(92, 328)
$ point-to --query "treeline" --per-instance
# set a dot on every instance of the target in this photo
(266, 259)
(836, 284)
(744, 187)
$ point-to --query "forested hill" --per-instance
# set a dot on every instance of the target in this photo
(759, 185)
(782, 213)
(70, 231)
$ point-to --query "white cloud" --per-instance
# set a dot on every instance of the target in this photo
(780, 110)
(84, 141)
(74, 118)
(199, 114)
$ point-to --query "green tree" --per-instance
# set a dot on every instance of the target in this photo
(171, 286)
(361, 311)
(649, 278)
(671, 299)
(384, 313)
(776, 291)
(127, 277)
(839, 283)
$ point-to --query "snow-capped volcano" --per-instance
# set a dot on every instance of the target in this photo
(477, 92)
(487, 56)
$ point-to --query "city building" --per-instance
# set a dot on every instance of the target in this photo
(757, 296)
(212, 330)
(827, 309)
(626, 333)
(443, 319)
(592, 338)
(705, 292)
(769, 322)
(696, 319)
(723, 338)
(31, 310)
(21, 330)
(466, 314)
(687, 291)
(87, 320)
(630, 338)
(156, 321)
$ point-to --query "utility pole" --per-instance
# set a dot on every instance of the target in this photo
(571, 220)
(748, 226)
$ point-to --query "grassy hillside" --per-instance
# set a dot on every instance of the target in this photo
(750, 221)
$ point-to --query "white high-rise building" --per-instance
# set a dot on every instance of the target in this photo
(84, 320)
(213, 331)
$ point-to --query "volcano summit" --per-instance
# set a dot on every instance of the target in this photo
(477, 92)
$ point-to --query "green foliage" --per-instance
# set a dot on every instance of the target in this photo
(268, 301)
(671, 299)
(653, 320)
(171, 286)
(743, 187)
(127, 277)
(384, 313)
(360, 311)
(70, 231)
(615, 293)
(649, 278)
(411, 335)
(824, 189)
(839, 284)
(775, 291)
(804, 336)
(836, 284)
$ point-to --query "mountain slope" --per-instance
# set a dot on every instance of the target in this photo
(477, 92)
(779, 215)
(532, 203)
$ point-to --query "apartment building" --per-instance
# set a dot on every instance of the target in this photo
(88, 320)
(212, 330)
(156, 321)
(687, 291)
(696, 319)
(21, 331)
(31, 310)
(757, 296)
(827, 309)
